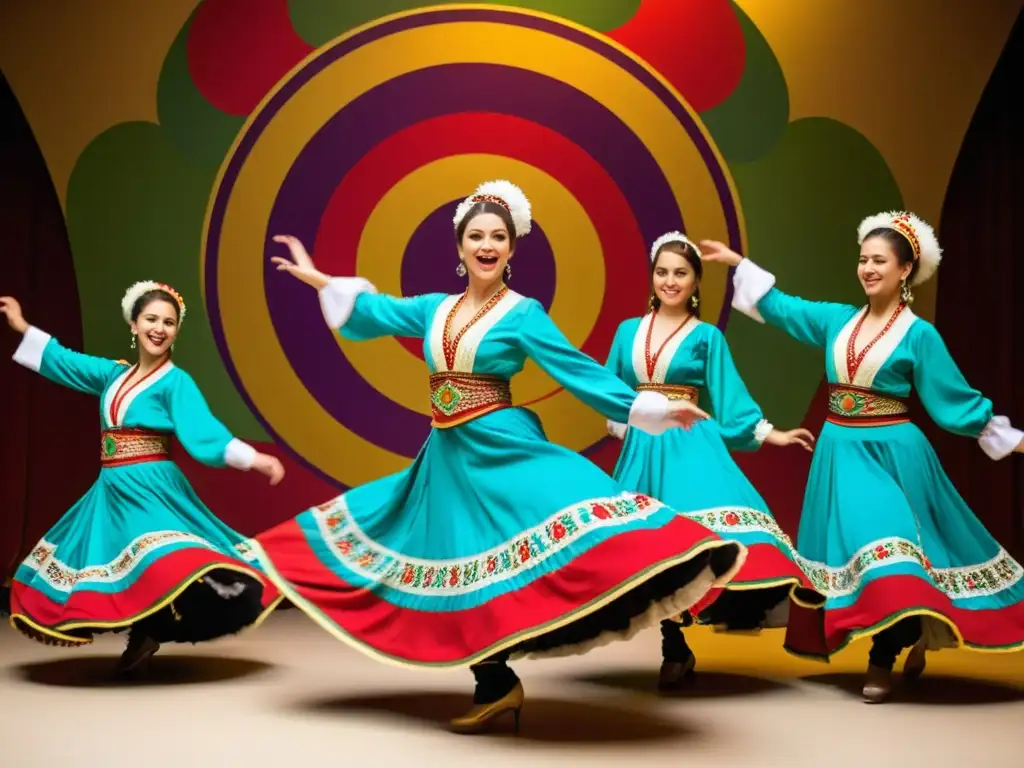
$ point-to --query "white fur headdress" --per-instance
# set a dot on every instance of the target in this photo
(674, 237)
(132, 295)
(503, 193)
(919, 234)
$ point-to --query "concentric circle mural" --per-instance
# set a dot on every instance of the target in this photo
(363, 150)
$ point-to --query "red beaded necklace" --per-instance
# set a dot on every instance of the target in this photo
(652, 362)
(853, 360)
(451, 345)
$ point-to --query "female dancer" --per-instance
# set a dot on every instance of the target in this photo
(494, 543)
(669, 350)
(140, 549)
(884, 533)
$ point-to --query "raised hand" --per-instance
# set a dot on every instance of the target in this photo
(712, 250)
(801, 437)
(270, 466)
(300, 265)
(685, 414)
(11, 309)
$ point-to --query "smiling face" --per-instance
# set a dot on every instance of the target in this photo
(673, 278)
(485, 247)
(879, 269)
(156, 326)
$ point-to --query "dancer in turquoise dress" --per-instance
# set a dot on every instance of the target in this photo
(884, 533)
(494, 543)
(669, 350)
(139, 550)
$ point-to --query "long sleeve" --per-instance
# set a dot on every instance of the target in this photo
(587, 379)
(42, 353)
(809, 322)
(952, 403)
(205, 438)
(616, 364)
(740, 420)
(352, 306)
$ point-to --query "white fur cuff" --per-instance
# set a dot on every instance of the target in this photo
(750, 284)
(616, 429)
(338, 298)
(239, 455)
(649, 412)
(30, 352)
(999, 438)
(762, 430)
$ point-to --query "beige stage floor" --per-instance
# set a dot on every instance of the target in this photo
(289, 695)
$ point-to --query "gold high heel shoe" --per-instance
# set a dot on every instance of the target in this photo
(482, 715)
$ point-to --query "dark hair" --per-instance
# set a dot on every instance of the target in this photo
(487, 207)
(900, 244)
(687, 252)
(157, 294)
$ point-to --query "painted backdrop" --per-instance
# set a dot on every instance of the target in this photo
(181, 136)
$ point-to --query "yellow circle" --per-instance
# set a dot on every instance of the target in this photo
(298, 418)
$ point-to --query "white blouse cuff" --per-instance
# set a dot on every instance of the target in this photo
(239, 455)
(750, 284)
(649, 412)
(616, 429)
(999, 438)
(762, 430)
(30, 351)
(338, 298)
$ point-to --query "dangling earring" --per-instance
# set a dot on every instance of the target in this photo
(133, 341)
(906, 295)
(461, 269)
(650, 302)
(694, 301)
(508, 271)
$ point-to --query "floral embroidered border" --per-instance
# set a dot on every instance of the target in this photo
(63, 577)
(357, 552)
(996, 575)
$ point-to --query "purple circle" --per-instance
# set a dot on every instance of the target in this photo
(429, 262)
(304, 193)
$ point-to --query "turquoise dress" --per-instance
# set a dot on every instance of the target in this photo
(493, 540)
(884, 534)
(139, 549)
(693, 471)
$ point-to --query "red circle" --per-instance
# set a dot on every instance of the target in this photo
(698, 47)
(238, 49)
(361, 189)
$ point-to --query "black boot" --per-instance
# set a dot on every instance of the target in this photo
(678, 661)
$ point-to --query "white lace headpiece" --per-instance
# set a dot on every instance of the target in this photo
(132, 295)
(503, 193)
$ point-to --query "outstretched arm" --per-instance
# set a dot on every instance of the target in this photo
(206, 439)
(42, 353)
(351, 305)
(953, 403)
(755, 295)
(594, 384)
(616, 364)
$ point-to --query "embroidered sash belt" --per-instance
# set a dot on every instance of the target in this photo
(858, 407)
(456, 398)
(119, 447)
(672, 391)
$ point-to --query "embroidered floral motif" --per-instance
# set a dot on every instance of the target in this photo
(356, 552)
(65, 578)
(999, 573)
(743, 520)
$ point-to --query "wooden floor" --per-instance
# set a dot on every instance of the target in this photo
(289, 695)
